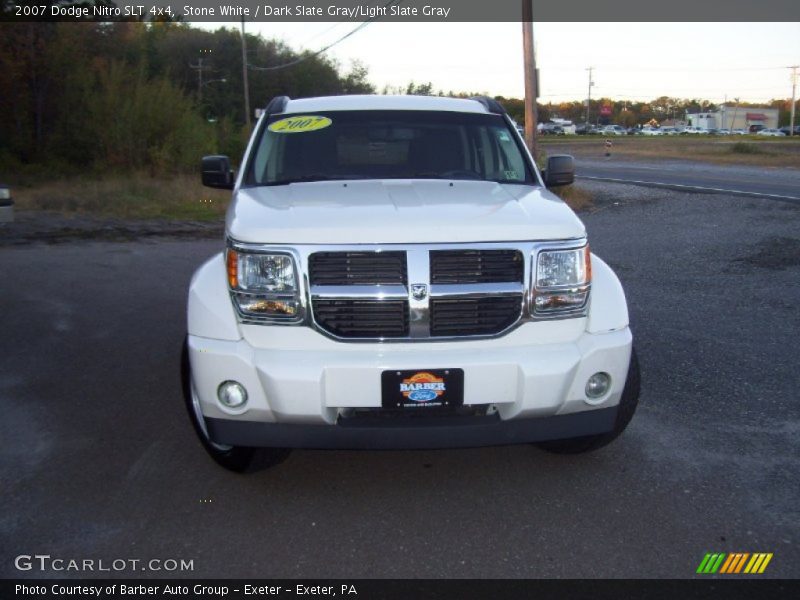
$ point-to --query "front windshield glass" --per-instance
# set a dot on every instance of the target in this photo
(396, 144)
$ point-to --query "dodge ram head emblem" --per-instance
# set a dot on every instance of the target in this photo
(419, 291)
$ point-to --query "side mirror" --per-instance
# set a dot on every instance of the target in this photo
(560, 170)
(216, 172)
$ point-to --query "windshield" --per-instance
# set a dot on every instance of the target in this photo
(375, 144)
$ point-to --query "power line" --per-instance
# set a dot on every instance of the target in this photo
(662, 69)
(328, 47)
(323, 32)
(646, 90)
(617, 91)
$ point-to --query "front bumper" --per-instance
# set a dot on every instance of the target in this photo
(419, 433)
(303, 387)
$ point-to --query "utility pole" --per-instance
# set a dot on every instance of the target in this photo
(244, 78)
(723, 110)
(794, 97)
(589, 97)
(199, 67)
(529, 62)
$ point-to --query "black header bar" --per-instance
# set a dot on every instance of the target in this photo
(443, 11)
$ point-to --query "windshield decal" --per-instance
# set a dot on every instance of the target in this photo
(300, 124)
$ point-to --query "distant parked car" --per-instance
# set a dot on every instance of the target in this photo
(755, 128)
(651, 131)
(550, 129)
(583, 129)
(787, 129)
(771, 132)
(724, 131)
(739, 132)
(633, 131)
(6, 204)
(669, 131)
(614, 130)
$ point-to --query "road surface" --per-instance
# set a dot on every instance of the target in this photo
(99, 461)
(764, 182)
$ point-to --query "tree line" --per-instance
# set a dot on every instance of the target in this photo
(621, 112)
(156, 96)
(132, 95)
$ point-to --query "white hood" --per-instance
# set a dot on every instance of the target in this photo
(398, 211)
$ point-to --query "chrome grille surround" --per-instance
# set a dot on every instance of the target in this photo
(418, 272)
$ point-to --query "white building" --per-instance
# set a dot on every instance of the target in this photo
(735, 117)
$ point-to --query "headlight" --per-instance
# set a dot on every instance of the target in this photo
(272, 273)
(561, 281)
(264, 285)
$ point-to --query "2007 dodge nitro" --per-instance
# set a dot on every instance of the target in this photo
(397, 275)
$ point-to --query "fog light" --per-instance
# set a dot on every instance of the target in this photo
(598, 385)
(232, 394)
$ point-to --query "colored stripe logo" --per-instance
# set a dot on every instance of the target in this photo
(734, 563)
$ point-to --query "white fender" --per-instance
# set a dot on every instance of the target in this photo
(211, 313)
(608, 309)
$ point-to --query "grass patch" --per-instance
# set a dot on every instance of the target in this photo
(746, 148)
(574, 196)
(136, 196)
(769, 152)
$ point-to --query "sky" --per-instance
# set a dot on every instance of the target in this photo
(714, 61)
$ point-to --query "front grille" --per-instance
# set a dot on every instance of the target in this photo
(357, 268)
(351, 318)
(476, 266)
(474, 316)
(364, 294)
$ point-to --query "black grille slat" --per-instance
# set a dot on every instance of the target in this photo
(363, 318)
(476, 266)
(357, 268)
(474, 316)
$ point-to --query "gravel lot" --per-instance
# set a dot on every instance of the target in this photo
(99, 461)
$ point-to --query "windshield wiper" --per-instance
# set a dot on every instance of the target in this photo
(314, 177)
(456, 175)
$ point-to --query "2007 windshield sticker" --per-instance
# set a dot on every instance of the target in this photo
(300, 124)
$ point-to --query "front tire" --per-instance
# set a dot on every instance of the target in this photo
(239, 459)
(627, 406)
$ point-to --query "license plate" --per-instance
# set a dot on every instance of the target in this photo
(422, 388)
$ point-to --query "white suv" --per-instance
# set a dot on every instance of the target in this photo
(397, 275)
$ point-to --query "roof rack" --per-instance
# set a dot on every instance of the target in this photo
(492, 105)
(277, 105)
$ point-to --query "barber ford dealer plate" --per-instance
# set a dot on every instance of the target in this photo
(422, 388)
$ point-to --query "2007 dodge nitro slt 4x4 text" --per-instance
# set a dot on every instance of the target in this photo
(398, 276)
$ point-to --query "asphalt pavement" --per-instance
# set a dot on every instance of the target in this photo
(99, 461)
(779, 183)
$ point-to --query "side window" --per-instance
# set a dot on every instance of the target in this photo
(487, 153)
(268, 155)
(512, 165)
